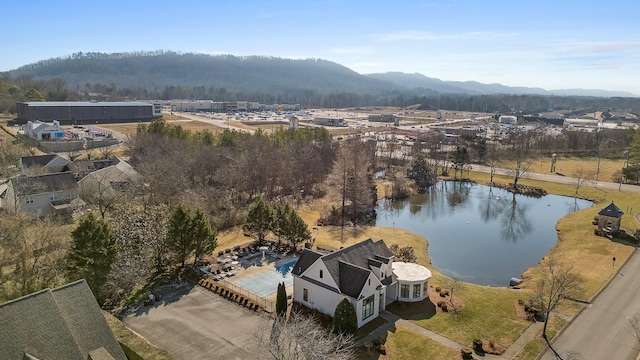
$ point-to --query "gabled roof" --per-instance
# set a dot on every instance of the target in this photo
(357, 254)
(612, 211)
(349, 267)
(306, 259)
(31, 185)
(37, 160)
(63, 323)
(353, 279)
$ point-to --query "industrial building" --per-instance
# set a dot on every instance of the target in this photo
(87, 113)
(324, 121)
(508, 119)
(384, 118)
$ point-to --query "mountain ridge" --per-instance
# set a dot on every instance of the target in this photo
(265, 74)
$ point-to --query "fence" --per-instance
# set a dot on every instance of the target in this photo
(267, 305)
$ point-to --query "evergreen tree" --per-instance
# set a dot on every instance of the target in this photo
(420, 172)
(281, 300)
(93, 251)
(179, 237)
(204, 236)
(345, 319)
(280, 220)
(297, 229)
(259, 220)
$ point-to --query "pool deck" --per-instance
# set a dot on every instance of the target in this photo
(243, 273)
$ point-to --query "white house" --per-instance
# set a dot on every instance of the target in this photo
(364, 273)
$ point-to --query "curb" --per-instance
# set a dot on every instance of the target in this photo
(539, 356)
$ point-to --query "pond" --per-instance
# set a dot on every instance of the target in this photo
(480, 234)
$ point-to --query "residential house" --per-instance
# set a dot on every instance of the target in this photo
(43, 164)
(41, 195)
(61, 323)
(364, 273)
(108, 183)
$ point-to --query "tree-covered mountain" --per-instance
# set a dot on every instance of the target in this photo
(155, 70)
(419, 81)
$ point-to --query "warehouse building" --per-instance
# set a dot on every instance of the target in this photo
(86, 113)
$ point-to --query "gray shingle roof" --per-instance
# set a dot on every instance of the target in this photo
(349, 267)
(63, 323)
(87, 103)
(611, 210)
(307, 258)
(37, 160)
(29, 185)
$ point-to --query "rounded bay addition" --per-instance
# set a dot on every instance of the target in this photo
(413, 281)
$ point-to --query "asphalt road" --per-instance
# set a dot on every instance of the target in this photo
(601, 330)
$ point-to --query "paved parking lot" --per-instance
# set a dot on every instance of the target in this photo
(193, 323)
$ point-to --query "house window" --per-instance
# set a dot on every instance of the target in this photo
(320, 274)
(404, 291)
(425, 288)
(305, 295)
(369, 282)
(416, 290)
(367, 307)
(52, 196)
(29, 200)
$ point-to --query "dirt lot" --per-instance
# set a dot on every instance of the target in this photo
(193, 323)
(130, 128)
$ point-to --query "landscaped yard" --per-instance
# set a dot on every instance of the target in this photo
(405, 344)
(490, 313)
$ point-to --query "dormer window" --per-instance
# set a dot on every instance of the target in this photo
(320, 274)
(369, 281)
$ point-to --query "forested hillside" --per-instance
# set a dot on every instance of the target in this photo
(156, 70)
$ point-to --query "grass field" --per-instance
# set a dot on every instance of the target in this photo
(405, 344)
(191, 125)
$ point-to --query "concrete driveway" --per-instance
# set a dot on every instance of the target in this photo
(194, 323)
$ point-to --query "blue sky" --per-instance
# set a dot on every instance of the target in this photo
(548, 44)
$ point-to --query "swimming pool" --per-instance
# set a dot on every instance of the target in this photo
(266, 282)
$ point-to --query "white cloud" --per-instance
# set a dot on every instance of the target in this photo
(352, 50)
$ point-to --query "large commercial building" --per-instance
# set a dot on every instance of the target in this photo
(87, 113)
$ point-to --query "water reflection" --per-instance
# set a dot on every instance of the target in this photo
(477, 233)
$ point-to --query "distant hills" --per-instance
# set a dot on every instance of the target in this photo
(417, 80)
(258, 74)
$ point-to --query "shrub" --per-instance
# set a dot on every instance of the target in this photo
(345, 319)
(281, 300)
(444, 307)
(438, 288)
(446, 292)
(466, 353)
(477, 345)
(440, 303)
(442, 294)
(383, 349)
(520, 302)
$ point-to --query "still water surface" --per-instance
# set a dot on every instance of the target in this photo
(480, 234)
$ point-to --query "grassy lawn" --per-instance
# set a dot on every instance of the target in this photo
(405, 344)
(489, 314)
(533, 348)
(191, 125)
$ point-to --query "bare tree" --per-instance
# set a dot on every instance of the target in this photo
(521, 156)
(453, 285)
(557, 282)
(581, 176)
(633, 324)
(300, 337)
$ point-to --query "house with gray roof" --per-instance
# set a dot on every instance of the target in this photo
(41, 195)
(363, 273)
(43, 164)
(61, 323)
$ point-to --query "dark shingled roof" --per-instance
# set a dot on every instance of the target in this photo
(37, 160)
(30, 185)
(63, 323)
(307, 258)
(352, 279)
(357, 254)
(612, 211)
(349, 267)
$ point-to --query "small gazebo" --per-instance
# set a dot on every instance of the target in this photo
(609, 218)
